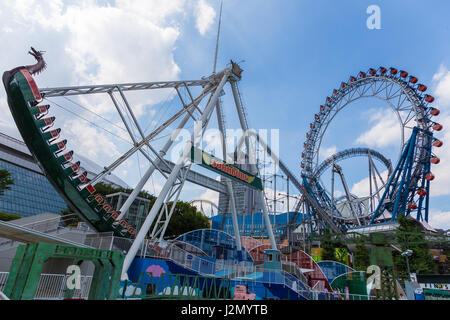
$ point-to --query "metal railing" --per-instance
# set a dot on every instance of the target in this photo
(325, 295)
(240, 271)
(55, 224)
(222, 269)
(3, 279)
(53, 286)
(102, 241)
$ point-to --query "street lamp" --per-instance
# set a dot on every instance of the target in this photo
(407, 254)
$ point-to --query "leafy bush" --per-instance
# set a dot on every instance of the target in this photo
(8, 217)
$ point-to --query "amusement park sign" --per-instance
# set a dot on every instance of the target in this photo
(212, 163)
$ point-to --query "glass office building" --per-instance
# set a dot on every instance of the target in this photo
(31, 192)
(27, 196)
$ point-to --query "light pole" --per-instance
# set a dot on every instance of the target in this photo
(407, 254)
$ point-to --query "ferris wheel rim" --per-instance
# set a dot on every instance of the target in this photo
(416, 99)
(404, 95)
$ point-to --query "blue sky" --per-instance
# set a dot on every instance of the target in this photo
(294, 54)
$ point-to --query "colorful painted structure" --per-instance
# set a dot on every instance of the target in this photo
(352, 285)
(180, 268)
(333, 269)
(213, 254)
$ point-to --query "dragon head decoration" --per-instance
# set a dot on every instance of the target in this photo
(40, 65)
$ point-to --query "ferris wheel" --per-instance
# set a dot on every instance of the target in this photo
(406, 188)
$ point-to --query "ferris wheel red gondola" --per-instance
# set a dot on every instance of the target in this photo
(413, 79)
(435, 160)
(429, 98)
(422, 192)
(437, 143)
(435, 112)
(429, 176)
(412, 205)
(422, 88)
(375, 81)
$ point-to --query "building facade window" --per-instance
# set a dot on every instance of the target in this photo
(31, 193)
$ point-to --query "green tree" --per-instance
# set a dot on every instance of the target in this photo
(409, 236)
(8, 217)
(5, 181)
(71, 221)
(328, 246)
(185, 218)
(361, 255)
(106, 189)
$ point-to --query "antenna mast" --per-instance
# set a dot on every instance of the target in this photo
(218, 36)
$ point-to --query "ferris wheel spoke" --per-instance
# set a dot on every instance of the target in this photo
(409, 117)
(389, 89)
(405, 99)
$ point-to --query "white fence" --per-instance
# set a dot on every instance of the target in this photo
(53, 286)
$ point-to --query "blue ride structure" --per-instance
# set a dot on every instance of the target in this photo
(407, 190)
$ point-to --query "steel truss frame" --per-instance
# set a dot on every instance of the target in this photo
(324, 217)
(404, 98)
(175, 173)
(401, 97)
(411, 169)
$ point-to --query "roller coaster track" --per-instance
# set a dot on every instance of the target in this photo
(320, 211)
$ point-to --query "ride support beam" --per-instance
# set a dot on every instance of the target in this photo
(172, 177)
(126, 206)
(229, 184)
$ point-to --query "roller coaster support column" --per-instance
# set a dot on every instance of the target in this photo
(228, 181)
(406, 178)
(267, 222)
(399, 184)
(173, 176)
(244, 127)
(241, 114)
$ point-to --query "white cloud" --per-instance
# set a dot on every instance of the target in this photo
(90, 141)
(210, 194)
(441, 186)
(441, 82)
(155, 184)
(7, 125)
(442, 90)
(362, 188)
(324, 153)
(384, 132)
(439, 219)
(94, 42)
(205, 15)
(88, 43)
